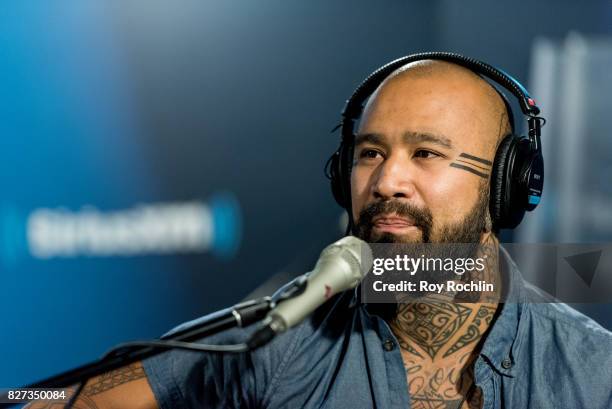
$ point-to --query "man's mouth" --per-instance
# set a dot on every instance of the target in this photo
(393, 223)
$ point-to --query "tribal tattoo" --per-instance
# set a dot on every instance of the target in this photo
(443, 388)
(478, 166)
(95, 386)
(440, 329)
(474, 332)
(114, 378)
(431, 324)
(439, 343)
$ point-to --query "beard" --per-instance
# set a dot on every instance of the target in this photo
(467, 230)
(455, 240)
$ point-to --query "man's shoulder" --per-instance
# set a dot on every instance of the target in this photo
(549, 311)
(574, 322)
(569, 349)
(569, 339)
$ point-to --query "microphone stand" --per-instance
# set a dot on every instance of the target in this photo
(240, 315)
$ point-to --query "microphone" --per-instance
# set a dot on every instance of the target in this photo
(341, 266)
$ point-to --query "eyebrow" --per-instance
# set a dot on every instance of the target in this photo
(408, 137)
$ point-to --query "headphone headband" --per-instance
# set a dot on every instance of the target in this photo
(354, 105)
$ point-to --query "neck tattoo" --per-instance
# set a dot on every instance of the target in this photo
(440, 340)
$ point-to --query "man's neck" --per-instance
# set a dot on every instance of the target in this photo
(436, 331)
(437, 328)
(440, 338)
(439, 343)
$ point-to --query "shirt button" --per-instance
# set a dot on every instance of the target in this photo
(507, 363)
(388, 345)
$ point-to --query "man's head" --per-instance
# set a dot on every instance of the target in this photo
(423, 155)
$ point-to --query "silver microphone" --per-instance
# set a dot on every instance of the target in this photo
(341, 266)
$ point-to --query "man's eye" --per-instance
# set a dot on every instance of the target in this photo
(425, 154)
(369, 154)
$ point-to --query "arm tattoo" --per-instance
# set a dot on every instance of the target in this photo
(114, 378)
(95, 386)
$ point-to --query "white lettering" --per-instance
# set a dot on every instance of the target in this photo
(158, 229)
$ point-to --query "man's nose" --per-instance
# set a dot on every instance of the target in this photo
(395, 178)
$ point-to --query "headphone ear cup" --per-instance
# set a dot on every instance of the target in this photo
(340, 170)
(335, 177)
(346, 164)
(501, 182)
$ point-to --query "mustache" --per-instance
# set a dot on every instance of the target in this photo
(421, 216)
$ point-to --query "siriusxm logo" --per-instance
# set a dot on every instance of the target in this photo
(159, 228)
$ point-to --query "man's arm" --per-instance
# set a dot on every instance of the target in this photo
(126, 387)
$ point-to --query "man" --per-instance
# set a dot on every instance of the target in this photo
(348, 354)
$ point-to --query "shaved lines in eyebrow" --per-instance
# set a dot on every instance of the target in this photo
(408, 138)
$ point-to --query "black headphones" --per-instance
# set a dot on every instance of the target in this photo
(518, 168)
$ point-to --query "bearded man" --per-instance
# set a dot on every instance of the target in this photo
(421, 171)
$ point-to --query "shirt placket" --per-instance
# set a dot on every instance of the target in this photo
(396, 374)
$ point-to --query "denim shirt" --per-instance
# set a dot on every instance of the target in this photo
(536, 355)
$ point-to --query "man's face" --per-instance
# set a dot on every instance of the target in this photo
(422, 160)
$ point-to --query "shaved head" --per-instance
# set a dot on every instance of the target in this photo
(492, 104)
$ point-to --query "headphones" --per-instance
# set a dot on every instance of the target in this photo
(518, 168)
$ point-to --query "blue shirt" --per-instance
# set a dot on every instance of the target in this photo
(536, 355)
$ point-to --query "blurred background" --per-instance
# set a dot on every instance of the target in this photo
(160, 160)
